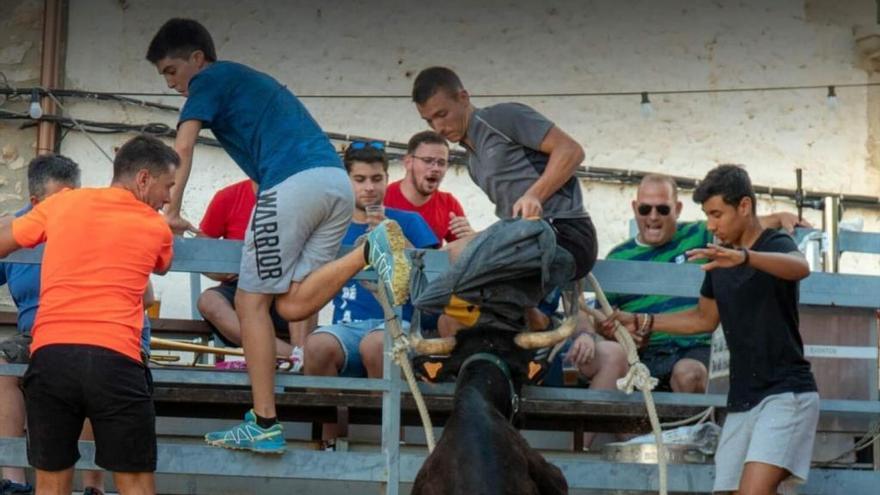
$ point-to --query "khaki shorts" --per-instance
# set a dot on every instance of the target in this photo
(296, 227)
(779, 431)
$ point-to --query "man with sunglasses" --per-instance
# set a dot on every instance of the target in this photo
(678, 361)
(426, 163)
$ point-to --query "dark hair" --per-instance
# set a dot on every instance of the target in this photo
(366, 154)
(44, 168)
(143, 152)
(731, 182)
(425, 137)
(179, 38)
(433, 79)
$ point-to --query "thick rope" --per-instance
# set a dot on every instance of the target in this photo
(400, 355)
(638, 375)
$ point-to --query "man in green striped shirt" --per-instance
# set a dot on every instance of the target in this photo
(679, 362)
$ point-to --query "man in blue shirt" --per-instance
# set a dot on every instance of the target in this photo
(303, 208)
(47, 174)
(353, 344)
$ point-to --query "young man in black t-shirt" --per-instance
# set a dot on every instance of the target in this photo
(751, 287)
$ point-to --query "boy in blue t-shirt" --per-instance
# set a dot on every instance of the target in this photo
(303, 208)
(356, 312)
(353, 344)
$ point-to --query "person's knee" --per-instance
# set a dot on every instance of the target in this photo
(320, 351)
(211, 304)
(689, 376)
(612, 356)
(293, 310)
(371, 348)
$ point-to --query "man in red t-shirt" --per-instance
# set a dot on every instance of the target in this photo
(227, 217)
(426, 163)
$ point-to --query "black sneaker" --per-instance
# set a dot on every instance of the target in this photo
(11, 488)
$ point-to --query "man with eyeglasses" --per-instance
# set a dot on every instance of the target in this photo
(426, 163)
(679, 362)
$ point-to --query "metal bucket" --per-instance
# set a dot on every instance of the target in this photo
(646, 453)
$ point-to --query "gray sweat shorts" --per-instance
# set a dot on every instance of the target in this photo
(296, 227)
(779, 431)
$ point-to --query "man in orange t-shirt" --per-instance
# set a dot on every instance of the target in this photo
(101, 245)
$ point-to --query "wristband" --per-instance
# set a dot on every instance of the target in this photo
(745, 253)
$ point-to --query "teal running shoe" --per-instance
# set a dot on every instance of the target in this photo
(249, 436)
(386, 256)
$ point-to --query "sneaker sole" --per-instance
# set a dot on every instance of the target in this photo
(221, 444)
(400, 278)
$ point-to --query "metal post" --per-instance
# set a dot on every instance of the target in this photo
(830, 218)
(195, 290)
(391, 419)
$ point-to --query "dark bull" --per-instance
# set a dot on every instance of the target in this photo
(480, 452)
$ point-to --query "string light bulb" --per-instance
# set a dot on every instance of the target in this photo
(832, 98)
(647, 109)
(35, 110)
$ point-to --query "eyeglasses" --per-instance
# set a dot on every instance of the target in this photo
(644, 209)
(359, 145)
(431, 160)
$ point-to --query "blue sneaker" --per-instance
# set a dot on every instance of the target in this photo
(249, 436)
(386, 256)
(12, 488)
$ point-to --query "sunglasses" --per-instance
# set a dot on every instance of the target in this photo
(644, 209)
(359, 145)
(431, 160)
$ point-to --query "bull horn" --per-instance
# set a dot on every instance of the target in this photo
(432, 347)
(538, 340)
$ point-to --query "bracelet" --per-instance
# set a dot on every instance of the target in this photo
(745, 253)
(643, 326)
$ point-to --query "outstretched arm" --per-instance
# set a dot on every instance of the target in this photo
(787, 266)
(184, 144)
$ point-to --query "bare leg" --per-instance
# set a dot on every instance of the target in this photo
(258, 338)
(135, 483)
(323, 356)
(603, 370)
(300, 330)
(308, 297)
(12, 418)
(761, 479)
(55, 482)
(371, 348)
(216, 309)
(94, 479)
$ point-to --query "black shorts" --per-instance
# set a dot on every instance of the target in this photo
(660, 360)
(578, 237)
(227, 290)
(67, 383)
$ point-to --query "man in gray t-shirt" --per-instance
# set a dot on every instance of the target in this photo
(519, 158)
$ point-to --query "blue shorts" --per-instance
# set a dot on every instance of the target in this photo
(349, 336)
